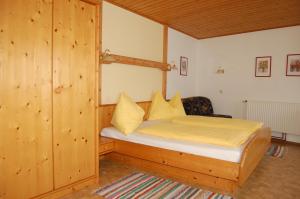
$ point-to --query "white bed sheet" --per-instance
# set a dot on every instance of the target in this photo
(207, 150)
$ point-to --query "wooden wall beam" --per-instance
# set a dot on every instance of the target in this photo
(165, 60)
(99, 43)
(137, 61)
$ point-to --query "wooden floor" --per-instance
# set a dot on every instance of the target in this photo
(274, 178)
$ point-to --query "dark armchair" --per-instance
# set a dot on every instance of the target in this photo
(200, 106)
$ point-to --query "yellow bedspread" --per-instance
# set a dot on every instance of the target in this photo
(185, 130)
(218, 122)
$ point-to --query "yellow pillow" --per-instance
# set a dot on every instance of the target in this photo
(161, 109)
(177, 104)
(127, 115)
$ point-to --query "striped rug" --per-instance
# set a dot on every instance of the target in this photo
(276, 150)
(145, 186)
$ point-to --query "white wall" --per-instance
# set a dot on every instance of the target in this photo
(128, 34)
(236, 54)
(181, 45)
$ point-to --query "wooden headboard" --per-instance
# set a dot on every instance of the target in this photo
(106, 112)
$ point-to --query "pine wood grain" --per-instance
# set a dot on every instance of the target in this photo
(106, 145)
(58, 193)
(205, 19)
(74, 97)
(253, 153)
(165, 60)
(138, 62)
(201, 164)
(25, 101)
(31, 85)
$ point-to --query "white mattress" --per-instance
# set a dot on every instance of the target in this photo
(207, 150)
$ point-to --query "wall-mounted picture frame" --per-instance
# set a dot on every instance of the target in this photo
(293, 65)
(184, 62)
(263, 66)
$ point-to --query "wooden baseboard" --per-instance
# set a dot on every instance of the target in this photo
(293, 143)
(68, 189)
(282, 142)
(206, 181)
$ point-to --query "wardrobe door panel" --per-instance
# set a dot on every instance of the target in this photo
(26, 164)
(74, 99)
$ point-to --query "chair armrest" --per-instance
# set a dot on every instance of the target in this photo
(213, 115)
(220, 115)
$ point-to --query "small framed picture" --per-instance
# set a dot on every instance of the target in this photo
(183, 66)
(263, 66)
(293, 65)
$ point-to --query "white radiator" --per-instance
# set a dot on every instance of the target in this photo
(279, 116)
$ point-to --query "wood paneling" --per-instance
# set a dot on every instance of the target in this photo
(26, 166)
(204, 19)
(74, 86)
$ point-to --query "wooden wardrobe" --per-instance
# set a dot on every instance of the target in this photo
(48, 97)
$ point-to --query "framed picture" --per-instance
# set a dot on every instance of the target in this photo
(263, 66)
(293, 65)
(183, 66)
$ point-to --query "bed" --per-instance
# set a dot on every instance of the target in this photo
(217, 168)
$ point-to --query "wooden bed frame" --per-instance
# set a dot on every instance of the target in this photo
(220, 175)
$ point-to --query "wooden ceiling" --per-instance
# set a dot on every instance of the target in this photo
(211, 18)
